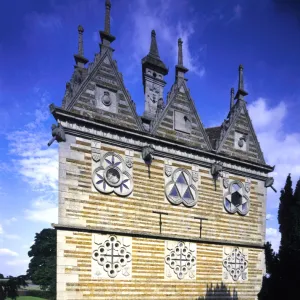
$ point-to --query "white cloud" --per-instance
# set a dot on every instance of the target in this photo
(10, 221)
(5, 251)
(1, 229)
(34, 161)
(42, 211)
(274, 237)
(280, 148)
(269, 217)
(12, 236)
(18, 262)
(146, 16)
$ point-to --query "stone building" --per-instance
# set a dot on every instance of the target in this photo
(154, 206)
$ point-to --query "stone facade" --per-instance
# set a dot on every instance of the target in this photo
(164, 224)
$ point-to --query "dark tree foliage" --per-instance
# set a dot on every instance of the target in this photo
(269, 281)
(9, 286)
(283, 268)
(42, 267)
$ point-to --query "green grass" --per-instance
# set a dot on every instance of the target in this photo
(29, 298)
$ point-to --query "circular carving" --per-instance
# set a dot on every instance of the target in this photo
(113, 176)
(241, 142)
(106, 100)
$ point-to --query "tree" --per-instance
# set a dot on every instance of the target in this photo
(269, 280)
(9, 286)
(283, 267)
(42, 267)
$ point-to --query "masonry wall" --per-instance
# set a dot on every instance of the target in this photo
(74, 272)
(82, 206)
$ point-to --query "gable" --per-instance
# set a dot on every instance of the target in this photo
(239, 139)
(103, 96)
(180, 121)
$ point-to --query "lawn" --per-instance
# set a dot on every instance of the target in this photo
(29, 298)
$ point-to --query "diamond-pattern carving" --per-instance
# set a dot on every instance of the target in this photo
(235, 264)
(181, 189)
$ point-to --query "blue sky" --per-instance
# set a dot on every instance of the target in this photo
(37, 44)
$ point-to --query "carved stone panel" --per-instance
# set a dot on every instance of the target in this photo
(180, 260)
(235, 264)
(113, 174)
(111, 257)
(182, 122)
(240, 141)
(106, 100)
(180, 187)
(236, 197)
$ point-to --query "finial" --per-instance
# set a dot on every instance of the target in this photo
(80, 40)
(231, 98)
(79, 57)
(107, 16)
(241, 92)
(153, 46)
(180, 56)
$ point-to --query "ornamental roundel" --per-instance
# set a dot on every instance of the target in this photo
(180, 260)
(112, 176)
(111, 257)
(235, 265)
(235, 199)
(181, 189)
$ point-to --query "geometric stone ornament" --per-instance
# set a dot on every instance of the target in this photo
(180, 188)
(240, 141)
(236, 198)
(96, 152)
(235, 264)
(180, 260)
(106, 100)
(112, 175)
(111, 257)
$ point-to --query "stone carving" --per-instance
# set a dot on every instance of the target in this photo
(112, 176)
(106, 100)
(194, 158)
(111, 257)
(247, 185)
(58, 134)
(182, 122)
(168, 170)
(236, 199)
(240, 141)
(128, 161)
(180, 188)
(96, 156)
(235, 264)
(269, 183)
(147, 154)
(180, 260)
(195, 176)
(225, 180)
(216, 171)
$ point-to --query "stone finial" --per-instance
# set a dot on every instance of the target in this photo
(153, 46)
(180, 70)
(79, 57)
(231, 98)
(180, 55)
(80, 40)
(241, 92)
(107, 16)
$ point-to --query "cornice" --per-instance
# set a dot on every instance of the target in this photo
(135, 140)
(162, 236)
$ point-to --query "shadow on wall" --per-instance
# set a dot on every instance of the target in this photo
(219, 292)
